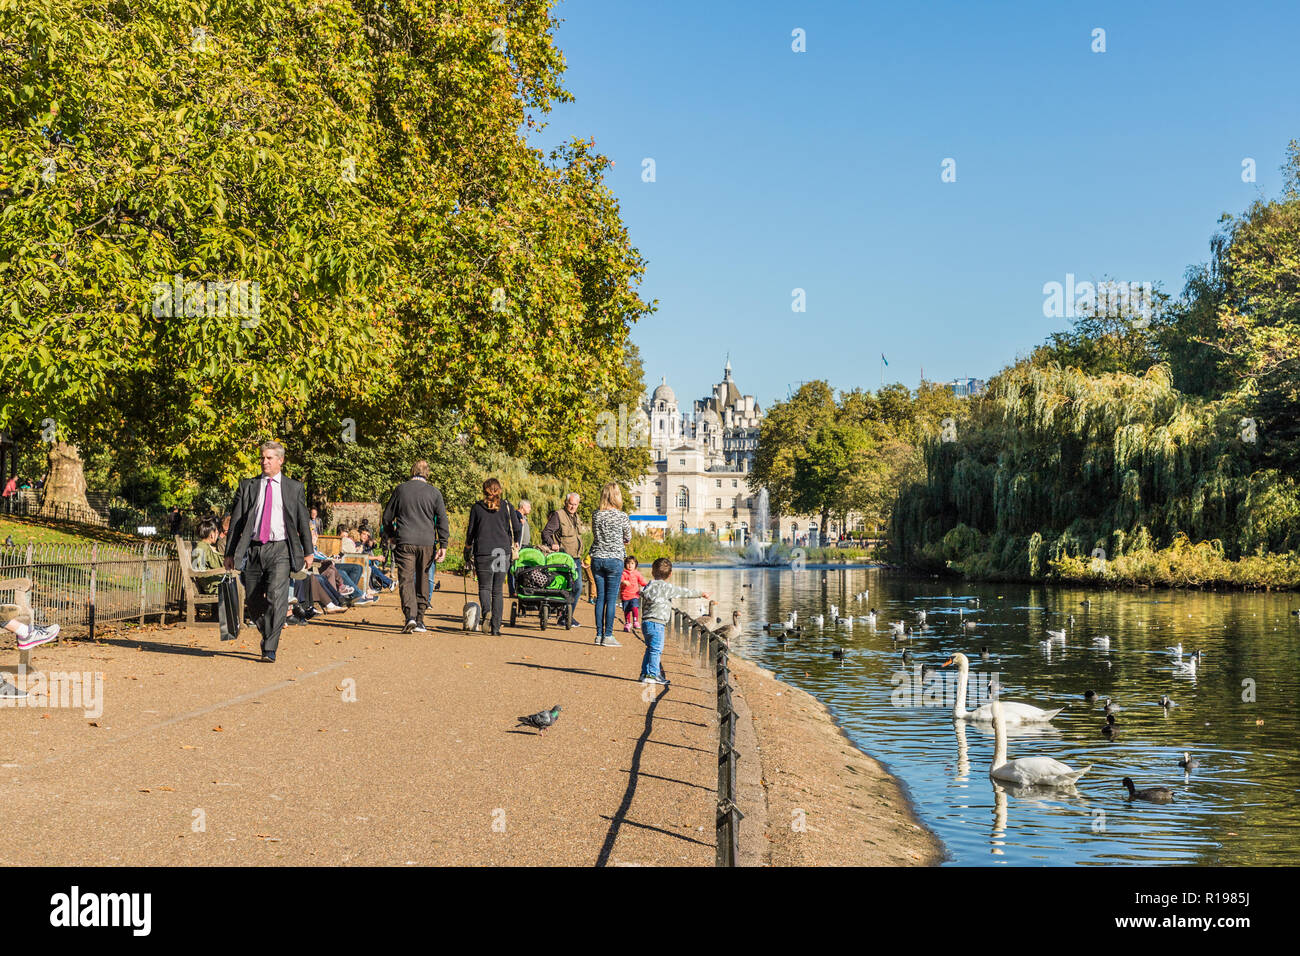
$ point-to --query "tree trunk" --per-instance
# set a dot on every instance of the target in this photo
(65, 486)
(821, 531)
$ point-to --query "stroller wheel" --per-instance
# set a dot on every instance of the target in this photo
(568, 618)
(514, 612)
(543, 611)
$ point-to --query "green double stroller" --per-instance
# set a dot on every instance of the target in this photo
(544, 585)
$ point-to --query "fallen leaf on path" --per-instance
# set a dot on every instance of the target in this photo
(218, 728)
(94, 723)
(188, 747)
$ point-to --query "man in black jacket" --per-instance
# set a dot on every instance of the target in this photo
(416, 521)
(269, 526)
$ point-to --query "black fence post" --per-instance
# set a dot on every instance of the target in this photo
(94, 557)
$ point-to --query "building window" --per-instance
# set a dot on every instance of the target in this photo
(638, 502)
(717, 482)
(719, 503)
(683, 498)
(681, 462)
(657, 500)
(733, 483)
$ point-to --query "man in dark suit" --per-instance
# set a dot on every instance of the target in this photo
(270, 527)
(416, 520)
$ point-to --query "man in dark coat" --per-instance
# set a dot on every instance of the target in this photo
(270, 527)
(416, 522)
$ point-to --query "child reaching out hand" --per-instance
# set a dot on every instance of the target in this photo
(657, 607)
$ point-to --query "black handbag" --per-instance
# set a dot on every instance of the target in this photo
(229, 613)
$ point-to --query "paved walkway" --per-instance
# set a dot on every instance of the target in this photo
(203, 755)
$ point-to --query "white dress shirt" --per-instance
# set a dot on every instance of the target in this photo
(277, 506)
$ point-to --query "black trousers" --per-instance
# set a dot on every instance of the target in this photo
(266, 584)
(413, 562)
(489, 588)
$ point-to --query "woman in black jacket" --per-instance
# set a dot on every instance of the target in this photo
(492, 531)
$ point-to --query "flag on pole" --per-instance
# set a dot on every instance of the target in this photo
(883, 359)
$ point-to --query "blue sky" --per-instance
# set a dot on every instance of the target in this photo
(820, 170)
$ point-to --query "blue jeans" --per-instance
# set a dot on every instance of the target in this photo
(608, 573)
(433, 569)
(351, 573)
(654, 649)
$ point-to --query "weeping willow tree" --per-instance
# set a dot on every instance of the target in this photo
(1056, 463)
(1135, 451)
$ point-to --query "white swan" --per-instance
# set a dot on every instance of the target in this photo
(1056, 635)
(844, 621)
(1026, 771)
(1012, 712)
(834, 610)
(898, 627)
(1186, 667)
(818, 620)
(1103, 641)
(1176, 650)
(920, 617)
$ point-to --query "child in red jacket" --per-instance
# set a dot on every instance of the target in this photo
(630, 593)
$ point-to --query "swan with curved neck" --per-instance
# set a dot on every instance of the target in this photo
(1026, 771)
(1013, 713)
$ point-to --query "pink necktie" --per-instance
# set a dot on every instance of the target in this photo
(264, 531)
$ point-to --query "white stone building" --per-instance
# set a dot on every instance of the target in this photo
(702, 461)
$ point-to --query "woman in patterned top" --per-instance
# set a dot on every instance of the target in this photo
(610, 532)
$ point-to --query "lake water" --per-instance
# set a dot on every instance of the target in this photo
(1239, 807)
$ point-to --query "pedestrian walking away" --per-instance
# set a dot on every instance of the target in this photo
(416, 521)
(492, 542)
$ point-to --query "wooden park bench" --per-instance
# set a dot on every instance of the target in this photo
(331, 544)
(190, 582)
(20, 609)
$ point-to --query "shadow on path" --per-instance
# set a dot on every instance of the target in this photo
(633, 775)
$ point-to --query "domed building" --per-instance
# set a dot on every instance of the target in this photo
(702, 462)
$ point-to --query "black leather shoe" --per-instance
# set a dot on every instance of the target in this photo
(268, 657)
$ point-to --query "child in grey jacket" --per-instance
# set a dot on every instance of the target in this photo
(656, 608)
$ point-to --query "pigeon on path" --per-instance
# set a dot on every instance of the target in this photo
(541, 720)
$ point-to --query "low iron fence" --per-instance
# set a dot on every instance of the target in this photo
(699, 638)
(112, 513)
(78, 586)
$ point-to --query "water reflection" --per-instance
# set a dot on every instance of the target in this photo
(1234, 713)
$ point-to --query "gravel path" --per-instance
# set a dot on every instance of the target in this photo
(362, 745)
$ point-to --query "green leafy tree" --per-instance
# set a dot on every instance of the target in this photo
(365, 164)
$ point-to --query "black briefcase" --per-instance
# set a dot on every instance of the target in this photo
(229, 613)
